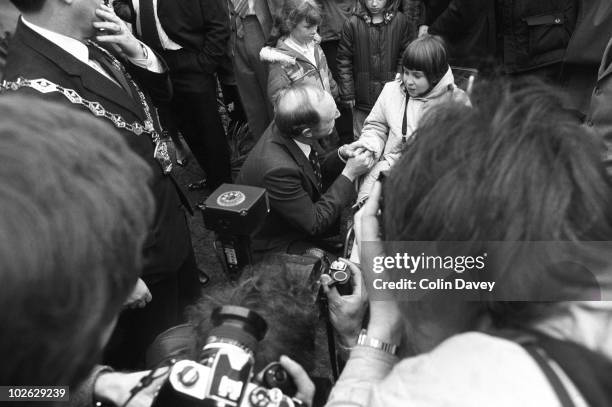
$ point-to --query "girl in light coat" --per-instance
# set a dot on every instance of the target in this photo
(426, 81)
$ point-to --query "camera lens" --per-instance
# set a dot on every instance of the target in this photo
(340, 276)
(237, 324)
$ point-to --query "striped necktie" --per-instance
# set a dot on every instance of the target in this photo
(313, 157)
(96, 54)
(241, 7)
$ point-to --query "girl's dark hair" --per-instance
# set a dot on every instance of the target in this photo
(427, 54)
(292, 13)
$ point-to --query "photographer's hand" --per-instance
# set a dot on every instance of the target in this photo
(385, 317)
(305, 386)
(346, 312)
(116, 387)
(140, 296)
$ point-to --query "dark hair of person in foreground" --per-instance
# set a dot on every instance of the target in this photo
(516, 167)
(74, 216)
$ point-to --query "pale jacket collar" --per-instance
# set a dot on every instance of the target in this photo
(297, 47)
(444, 85)
(72, 46)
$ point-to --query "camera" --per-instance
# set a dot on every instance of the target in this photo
(235, 213)
(223, 377)
(340, 277)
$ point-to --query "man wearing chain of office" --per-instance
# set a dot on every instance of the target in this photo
(78, 52)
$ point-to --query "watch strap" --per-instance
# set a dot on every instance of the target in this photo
(365, 340)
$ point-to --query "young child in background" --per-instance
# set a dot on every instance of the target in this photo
(426, 81)
(369, 54)
(297, 57)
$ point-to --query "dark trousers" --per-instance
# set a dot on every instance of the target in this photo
(197, 117)
(137, 328)
(252, 76)
(344, 123)
(232, 96)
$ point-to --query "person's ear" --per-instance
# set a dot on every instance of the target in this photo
(307, 132)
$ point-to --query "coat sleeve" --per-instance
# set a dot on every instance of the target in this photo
(375, 129)
(333, 86)
(346, 84)
(83, 395)
(216, 36)
(414, 10)
(331, 167)
(365, 368)
(407, 35)
(277, 81)
(288, 197)
(458, 17)
(155, 84)
(208, 42)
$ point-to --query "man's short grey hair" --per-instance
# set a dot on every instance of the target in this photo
(295, 109)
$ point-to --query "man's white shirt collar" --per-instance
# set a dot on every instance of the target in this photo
(72, 46)
(304, 147)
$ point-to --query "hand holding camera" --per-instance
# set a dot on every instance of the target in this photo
(346, 312)
(223, 376)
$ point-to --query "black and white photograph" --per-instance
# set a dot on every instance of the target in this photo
(306, 203)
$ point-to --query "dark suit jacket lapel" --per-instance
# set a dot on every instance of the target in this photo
(91, 80)
(298, 155)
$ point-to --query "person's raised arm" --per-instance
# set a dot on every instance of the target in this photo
(367, 365)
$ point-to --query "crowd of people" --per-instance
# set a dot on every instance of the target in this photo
(359, 118)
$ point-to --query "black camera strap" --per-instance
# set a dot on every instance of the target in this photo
(405, 119)
(587, 370)
(331, 346)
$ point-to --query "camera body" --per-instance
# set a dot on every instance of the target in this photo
(340, 277)
(224, 377)
(226, 383)
(235, 213)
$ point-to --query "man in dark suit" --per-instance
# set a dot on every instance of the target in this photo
(306, 194)
(192, 36)
(52, 56)
(251, 23)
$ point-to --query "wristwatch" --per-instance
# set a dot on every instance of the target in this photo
(365, 340)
